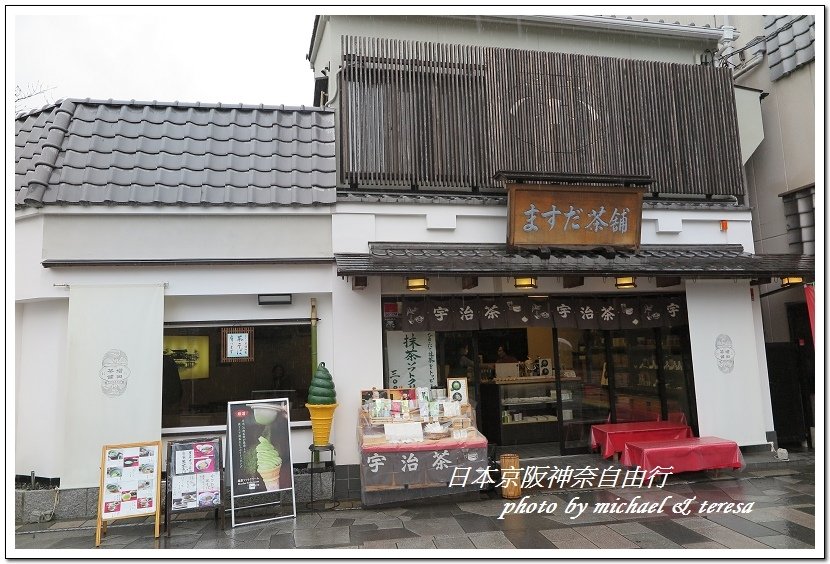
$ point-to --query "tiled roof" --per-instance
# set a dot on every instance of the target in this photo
(790, 43)
(715, 261)
(498, 200)
(111, 152)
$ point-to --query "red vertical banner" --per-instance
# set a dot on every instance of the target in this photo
(810, 293)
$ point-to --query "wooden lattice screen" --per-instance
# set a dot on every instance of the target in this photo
(437, 116)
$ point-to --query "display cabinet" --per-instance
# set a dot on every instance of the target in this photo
(520, 411)
(396, 468)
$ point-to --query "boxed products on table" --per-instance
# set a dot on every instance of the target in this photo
(413, 441)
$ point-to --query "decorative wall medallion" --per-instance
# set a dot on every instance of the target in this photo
(114, 372)
(724, 353)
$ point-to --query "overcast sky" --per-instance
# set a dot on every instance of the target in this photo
(195, 54)
(253, 55)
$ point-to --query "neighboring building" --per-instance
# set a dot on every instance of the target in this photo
(181, 216)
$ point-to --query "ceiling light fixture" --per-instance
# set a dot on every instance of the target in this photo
(623, 282)
(417, 284)
(787, 281)
(524, 282)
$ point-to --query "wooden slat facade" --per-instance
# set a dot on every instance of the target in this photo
(446, 117)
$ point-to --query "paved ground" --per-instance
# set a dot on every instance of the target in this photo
(783, 517)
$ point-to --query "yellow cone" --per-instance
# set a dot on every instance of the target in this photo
(321, 416)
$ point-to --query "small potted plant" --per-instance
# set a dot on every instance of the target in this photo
(322, 401)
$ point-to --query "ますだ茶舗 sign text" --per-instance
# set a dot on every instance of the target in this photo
(574, 217)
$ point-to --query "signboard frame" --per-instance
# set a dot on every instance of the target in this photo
(242, 335)
(101, 522)
(218, 467)
(238, 413)
(549, 226)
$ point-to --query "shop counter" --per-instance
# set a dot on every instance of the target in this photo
(684, 455)
(611, 438)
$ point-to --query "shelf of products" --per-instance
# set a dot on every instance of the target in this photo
(414, 454)
(520, 411)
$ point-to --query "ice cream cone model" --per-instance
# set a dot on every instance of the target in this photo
(322, 401)
(321, 417)
(271, 478)
(268, 464)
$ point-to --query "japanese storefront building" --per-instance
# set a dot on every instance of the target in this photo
(185, 221)
(652, 314)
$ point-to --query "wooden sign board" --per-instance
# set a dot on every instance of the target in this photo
(130, 484)
(574, 217)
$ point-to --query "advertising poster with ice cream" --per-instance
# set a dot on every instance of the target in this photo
(130, 479)
(259, 447)
(194, 468)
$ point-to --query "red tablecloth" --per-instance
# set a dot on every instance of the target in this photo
(612, 437)
(684, 455)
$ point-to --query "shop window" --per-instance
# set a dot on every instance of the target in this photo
(201, 375)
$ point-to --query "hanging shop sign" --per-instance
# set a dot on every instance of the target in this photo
(562, 312)
(574, 217)
(129, 485)
(194, 478)
(412, 359)
(259, 456)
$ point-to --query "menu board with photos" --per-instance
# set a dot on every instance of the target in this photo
(130, 481)
(194, 469)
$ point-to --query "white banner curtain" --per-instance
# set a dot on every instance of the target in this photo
(114, 377)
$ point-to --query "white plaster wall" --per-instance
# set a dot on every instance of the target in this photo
(40, 387)
(750, 122)
(180, 236)
(181, 281)
(729, 405)
(357, 363)
(356, 225)
(193, 294)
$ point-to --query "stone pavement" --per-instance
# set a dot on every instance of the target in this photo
(783, 517)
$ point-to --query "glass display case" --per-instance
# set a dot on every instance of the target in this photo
(636, 375)
(583, 380)
(520, 411)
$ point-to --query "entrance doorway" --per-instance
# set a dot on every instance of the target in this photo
(599, 376)
(622, 376)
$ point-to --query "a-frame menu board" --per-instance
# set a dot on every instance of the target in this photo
(130, 484)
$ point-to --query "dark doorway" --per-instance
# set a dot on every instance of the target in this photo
(786, 393)
(801, 336)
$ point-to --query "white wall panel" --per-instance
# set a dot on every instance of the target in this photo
(357, 361)
(729, 404)
(40, 387)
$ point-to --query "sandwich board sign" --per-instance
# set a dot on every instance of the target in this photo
(130, 484)
(194, 478)
(259, 456)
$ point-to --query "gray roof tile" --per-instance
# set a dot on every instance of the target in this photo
(109, 152)
(455, 259)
